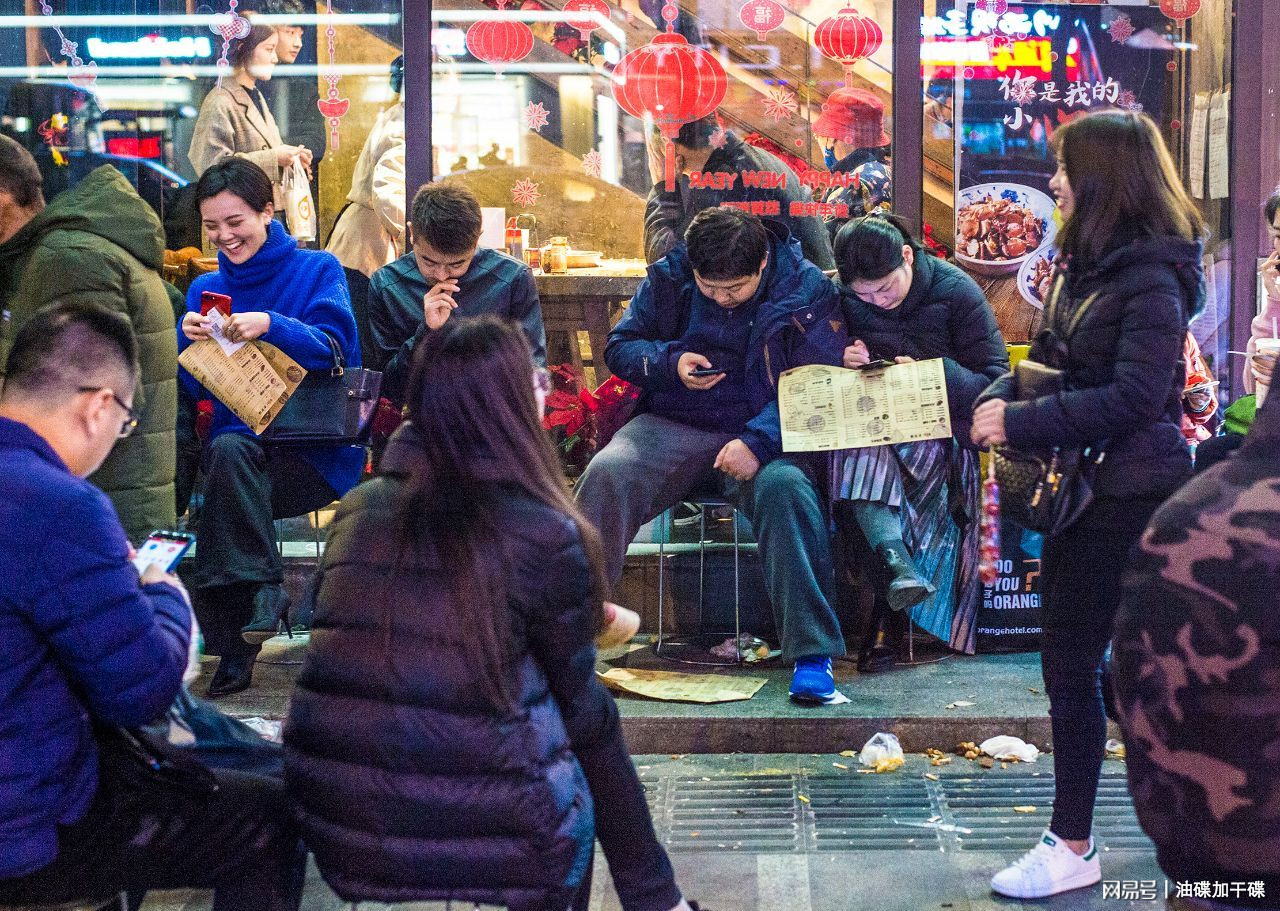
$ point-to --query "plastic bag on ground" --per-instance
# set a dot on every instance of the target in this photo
(879, 748)
(1008, 747)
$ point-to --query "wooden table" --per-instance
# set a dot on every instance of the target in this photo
(587, 301)
(1019, 321)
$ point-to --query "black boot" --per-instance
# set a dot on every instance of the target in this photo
(907, 588)
(234, 674)
(270, 613)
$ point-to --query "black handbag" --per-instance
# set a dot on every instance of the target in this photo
(144, 759)
(329, 408)
(1046, 490)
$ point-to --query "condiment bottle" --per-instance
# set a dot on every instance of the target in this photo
(556, 257)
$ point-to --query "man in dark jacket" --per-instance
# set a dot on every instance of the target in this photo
(98, 242)
(717, 168)
(446, 270)
(85, 643)
(736, 299)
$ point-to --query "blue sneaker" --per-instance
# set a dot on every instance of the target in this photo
(813, 680)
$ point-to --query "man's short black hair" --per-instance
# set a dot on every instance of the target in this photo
(65, 346)
(726, 243)
(447, 217)
(20, 176)
(697, 134)
(285, 8)
(1272, 206)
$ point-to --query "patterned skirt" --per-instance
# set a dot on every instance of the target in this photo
(937, 487)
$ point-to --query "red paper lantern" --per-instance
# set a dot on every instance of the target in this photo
(586, 26)
(846, 38)
(499, 41)
(671, 81)
(1179, 10)
(762, 16)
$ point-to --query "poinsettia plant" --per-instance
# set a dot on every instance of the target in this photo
(583, 420)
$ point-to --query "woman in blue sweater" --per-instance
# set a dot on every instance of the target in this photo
(296, 300)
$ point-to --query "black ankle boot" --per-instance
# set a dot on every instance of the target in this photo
(270, 613)
(877, 652)
(234, 674)
(907, 588)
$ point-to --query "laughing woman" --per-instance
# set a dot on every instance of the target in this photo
(297, 301)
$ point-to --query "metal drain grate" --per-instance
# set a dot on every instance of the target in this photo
(985, 805)
(782, 813)
(866, 812)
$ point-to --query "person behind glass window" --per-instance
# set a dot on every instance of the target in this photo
(299, 95)
(85, 643)
(855, 144)
(297, 301)
(235, 120)
(1129, 280)
(463, 589)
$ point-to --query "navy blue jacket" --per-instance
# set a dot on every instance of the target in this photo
(494, 283)
(946, 315)
(797, 322)
(1125, 371)
(411, 786)
(78, 638)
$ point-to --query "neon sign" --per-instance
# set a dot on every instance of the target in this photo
(151, 47)
(981, 23)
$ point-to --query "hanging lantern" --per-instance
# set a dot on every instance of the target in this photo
(762, 16)
(846, 38)
(1179, 10)
(499, 41)
(672, 82)
(587, 25)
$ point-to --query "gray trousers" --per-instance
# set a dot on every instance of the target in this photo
(652, 463)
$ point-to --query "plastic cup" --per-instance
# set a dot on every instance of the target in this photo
(1265, 346)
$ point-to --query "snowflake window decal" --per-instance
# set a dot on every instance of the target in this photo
(592, 163)
(1121, 29)
(536, 116)
(525, 193)
(780, 104)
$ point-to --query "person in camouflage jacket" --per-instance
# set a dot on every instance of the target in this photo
(1197, 675)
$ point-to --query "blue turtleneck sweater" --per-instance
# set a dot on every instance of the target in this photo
(305, 294)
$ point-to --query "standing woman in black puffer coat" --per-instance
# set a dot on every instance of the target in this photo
(1129, 278)
(448, 723)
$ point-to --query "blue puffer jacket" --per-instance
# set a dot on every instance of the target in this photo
(78, 637)
(411, 787)
(798, 322)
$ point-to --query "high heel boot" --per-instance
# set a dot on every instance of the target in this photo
(270, 615)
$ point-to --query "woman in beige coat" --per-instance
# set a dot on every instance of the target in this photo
(235, 120)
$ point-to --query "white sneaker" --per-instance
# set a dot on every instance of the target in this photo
(1047, 869)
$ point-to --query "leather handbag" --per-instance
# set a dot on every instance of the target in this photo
(1046, 490)
(332, 407)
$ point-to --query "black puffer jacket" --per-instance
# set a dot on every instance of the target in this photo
(1125, 372)
(945, 315)
(410, 786)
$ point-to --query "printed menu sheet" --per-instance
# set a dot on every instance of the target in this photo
(254, 380)
(824, 408)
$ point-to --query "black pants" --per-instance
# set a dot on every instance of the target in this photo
(246, 487)
(1081, 572)
(241, 841)
(1215, 449)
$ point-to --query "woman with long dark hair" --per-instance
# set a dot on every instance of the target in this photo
(1126, 283)
(448, 723)
(916, 504)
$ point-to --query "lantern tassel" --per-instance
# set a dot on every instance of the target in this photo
(671, 165)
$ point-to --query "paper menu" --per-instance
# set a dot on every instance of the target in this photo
(824, 408)
(1219, 140)
(254, 382)
(1198, 141)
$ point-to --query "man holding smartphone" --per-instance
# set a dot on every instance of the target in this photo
(446, 272)
(87, 646)
(706, 336)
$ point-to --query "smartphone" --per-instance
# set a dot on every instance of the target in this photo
(211, 300)
(878, 364)
(163, 549)
(706, 371)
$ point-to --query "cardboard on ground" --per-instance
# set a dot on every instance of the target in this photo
(254, 382)
(673, 687)
(824, 408)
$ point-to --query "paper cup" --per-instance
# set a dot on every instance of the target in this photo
(1265, 346)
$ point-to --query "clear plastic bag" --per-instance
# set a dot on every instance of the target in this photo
(879, 748)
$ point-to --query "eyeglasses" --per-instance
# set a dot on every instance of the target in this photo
(131, 422)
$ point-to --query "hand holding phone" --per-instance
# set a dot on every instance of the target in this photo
(706, 371)
(163, 550)
(878, 364)
(211, 300)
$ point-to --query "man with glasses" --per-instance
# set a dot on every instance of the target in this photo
(86, 647)
(705, 337)
(98, 242)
